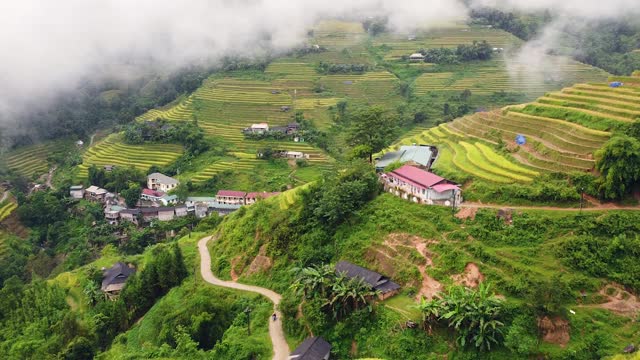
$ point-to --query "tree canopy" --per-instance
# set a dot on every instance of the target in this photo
(619, 163)
(372, 129)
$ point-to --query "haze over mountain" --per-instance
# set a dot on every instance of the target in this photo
(52, 46)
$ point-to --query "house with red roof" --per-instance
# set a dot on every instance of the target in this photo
(420, 186)
(253, 197)
(231, 197)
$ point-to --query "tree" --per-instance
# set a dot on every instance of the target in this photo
(372, 127)
(619, 163)
(131, 194)
(474, 314)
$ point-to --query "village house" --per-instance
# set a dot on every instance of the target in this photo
(112, 214)
(421, 156)
(181, 211)
(231, 197)
(149, 214)
(420, 186)
(161, 182)
(416, 57)
(253, 197)
(260, 128)
(224, 209)
(76, 191)
(378, 282)
(294, 155)
(109, 168)
(166, 213)
(312, 348)
(158, 197)
(114, 279)
(131, 215)
(79, 143)
(95, 193)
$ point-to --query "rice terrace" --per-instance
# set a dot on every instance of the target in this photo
(374, 180)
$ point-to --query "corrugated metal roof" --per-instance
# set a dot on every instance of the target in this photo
(419, 154)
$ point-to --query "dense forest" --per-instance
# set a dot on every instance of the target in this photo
(607, 44)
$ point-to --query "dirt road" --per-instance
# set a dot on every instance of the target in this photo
(280, 346)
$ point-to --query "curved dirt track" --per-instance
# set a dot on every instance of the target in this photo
(280, 346)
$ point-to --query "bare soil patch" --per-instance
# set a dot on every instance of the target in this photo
(261, 262)
(554, 330)
(467, 213)
(619, 300)
(471, 277)
(398, 244)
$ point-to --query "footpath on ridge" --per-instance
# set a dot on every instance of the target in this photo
(280, 346)
(603, 207)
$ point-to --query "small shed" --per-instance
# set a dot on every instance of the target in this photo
(378, 282)
(416, 57)
(114, 278)
(312, 348)
(76, 191)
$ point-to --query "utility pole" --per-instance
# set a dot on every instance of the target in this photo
(453, 203)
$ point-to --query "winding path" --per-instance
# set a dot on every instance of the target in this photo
(280, 346)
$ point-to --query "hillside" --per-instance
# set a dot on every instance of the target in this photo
(230, 101)
(427, 250)
(563, 130)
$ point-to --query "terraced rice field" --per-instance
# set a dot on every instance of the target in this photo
(31, 161)
(467, 145)
(112, 151)
(449, 37)
(598, 105)
(372, 87)
(498, 75)
(6, 208)
(338, 34)
(180, 112)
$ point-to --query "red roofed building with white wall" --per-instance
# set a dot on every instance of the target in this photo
(420, 186)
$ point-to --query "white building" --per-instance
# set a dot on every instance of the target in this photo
(161, 182)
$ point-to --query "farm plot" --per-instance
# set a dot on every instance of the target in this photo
(112, 151)
(449, 37)
(554, 144)
(179, 112)
(497, 76)
(338, 34)
(372, 87)
(31, 161)
(6, 208)
(460, 157)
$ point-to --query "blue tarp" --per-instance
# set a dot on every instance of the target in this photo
(615, 84)
(521, 140)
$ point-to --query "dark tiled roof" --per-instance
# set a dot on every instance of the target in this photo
(313, 348)
(377, 281)
(117, 274)
(130, 211)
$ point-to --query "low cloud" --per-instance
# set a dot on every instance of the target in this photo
(49, 46)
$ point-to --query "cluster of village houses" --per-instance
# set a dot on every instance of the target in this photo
(157, 205)
(411, 181)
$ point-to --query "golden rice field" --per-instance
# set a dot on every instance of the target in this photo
(6, 208)
(512, 77)
(559, 142)
(112, 151)
(448, 37)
